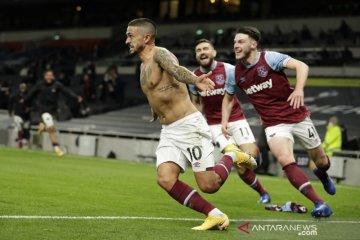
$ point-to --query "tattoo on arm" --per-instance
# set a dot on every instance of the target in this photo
(168, 62)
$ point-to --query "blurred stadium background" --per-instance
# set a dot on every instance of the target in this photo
(82, 40)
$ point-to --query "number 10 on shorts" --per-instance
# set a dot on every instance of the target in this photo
(195, 153)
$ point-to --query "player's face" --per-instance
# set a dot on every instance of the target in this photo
(243, 46)
(49, 77)
(205, 54)
(135, 40)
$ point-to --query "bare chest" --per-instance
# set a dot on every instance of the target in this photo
(150, 76)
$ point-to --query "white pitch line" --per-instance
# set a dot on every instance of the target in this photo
(99, 217)
(174, 219)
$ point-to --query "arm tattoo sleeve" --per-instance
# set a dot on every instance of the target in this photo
(168, 62)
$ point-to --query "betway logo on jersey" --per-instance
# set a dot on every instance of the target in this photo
(208, 93)
(259, 87)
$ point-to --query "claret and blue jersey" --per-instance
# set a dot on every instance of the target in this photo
(267, 88)
(212, 99)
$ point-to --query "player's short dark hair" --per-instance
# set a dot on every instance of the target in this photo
(145, 22)
(252, 32)
(203, 40)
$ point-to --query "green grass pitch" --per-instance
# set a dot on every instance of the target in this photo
(34, 183)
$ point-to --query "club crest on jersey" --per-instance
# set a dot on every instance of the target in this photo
(262, 72)
(220, 79)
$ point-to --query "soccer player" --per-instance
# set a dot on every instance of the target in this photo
(209, 102)
(46, 93)
(260, 75)
(185, 135)
(20, 111)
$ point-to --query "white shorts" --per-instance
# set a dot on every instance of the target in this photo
(20, 124)
(240, 134)
(47, 119)
(187, 139)
(18, 121)
(303, 131)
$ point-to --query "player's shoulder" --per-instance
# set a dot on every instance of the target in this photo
(228, 65)
(268, 54)
(162, 50)
(229, 69)
(163, 53)
(274, 58)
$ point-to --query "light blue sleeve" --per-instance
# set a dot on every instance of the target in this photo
(193, 90)
(230, 81)
(277, 61)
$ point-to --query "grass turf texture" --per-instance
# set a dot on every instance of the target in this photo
(34, 183)
(329, 82)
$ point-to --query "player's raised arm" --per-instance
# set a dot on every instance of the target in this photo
(169, 63)
(296, 98)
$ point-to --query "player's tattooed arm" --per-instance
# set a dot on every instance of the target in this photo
(169, 63)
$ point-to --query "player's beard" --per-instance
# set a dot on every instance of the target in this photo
(134, 50)
(246, 54)
(208, 64)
